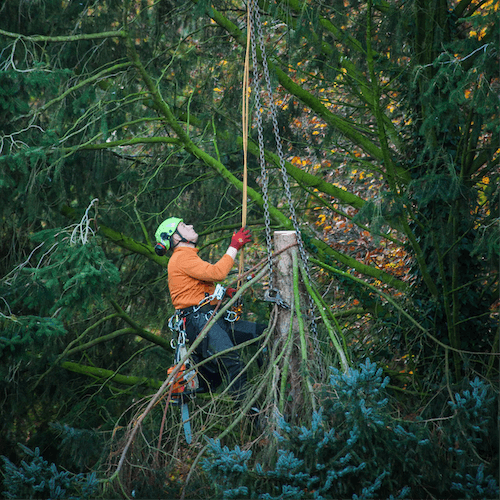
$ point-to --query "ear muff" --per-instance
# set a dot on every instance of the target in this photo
(160, 249)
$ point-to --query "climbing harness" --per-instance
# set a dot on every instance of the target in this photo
(175, 323)
(186, 382)
(273, 294)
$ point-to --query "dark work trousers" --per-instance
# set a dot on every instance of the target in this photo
(222, 336)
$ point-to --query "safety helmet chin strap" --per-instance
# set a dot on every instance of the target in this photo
(182, 240)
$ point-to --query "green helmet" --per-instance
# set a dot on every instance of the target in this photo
(166, 230)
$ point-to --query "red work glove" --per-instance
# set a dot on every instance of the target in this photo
(230, 292)
(240, 238)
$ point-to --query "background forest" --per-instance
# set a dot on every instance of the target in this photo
(116, 114)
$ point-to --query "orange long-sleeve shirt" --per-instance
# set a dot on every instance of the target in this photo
(190, 277)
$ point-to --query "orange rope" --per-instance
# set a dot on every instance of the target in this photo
(246, 96)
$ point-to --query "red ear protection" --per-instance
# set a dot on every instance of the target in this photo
(160, 249)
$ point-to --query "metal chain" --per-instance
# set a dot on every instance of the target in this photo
(260, 134)
(284, 174)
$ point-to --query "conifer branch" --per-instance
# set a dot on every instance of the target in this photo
(352, 263)
(109, 375)
(102, 339)
(121, 143)
(64, 39)
(81, 84)
(139, 331)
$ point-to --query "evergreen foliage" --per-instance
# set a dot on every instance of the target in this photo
(74, 275)
(357, 448)
(38, 479)
(70, 279)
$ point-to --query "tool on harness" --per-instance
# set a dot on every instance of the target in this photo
(186, 381)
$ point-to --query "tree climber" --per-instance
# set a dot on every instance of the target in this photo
(191, 282)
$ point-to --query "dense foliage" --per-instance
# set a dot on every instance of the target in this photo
(38, 479)
(118, 114)
(356, 448)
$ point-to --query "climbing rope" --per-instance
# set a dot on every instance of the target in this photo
(244, 114)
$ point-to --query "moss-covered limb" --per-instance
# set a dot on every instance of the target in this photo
(306, 376)
(302, 177)
(359, 266)
(63, 39)
(390, 169)
(100, 340)
(129, 243)
(139, 331)
(337, 343)
(353, 311)
(310, 180)
(103, 374)
(123, 142)
(390, 280)
(328, 206)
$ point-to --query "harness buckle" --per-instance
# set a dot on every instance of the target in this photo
(231, 316)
